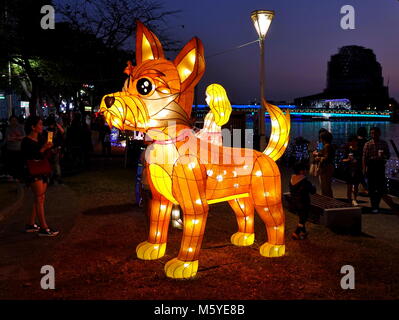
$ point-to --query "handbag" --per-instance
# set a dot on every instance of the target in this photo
(39, 167)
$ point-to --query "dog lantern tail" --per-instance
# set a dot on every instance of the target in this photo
(279, 137)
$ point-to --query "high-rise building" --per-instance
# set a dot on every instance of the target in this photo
(355, 74)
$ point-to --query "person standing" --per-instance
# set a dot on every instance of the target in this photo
(325, 159)
(353, 172)
(301, 189)
(105, 138)
(375, 154)
(33, 148)
(13, 137)
(361, 141)
(57, 132)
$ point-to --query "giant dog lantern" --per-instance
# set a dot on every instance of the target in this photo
(183, 168)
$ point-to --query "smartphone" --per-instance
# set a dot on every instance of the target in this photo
(50, 136)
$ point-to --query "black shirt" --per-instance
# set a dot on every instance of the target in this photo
(31, 149)
(300, 194)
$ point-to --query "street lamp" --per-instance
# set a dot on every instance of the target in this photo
(262, 20)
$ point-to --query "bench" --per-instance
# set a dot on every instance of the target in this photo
(337, 215)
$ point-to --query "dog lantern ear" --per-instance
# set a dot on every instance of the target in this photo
(190, 63)
(148, 47)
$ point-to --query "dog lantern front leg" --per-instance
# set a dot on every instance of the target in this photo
(160, 210)
(189, 182)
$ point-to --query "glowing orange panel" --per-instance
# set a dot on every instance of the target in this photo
(194, 170)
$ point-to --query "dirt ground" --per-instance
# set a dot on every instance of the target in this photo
(8, 194)
(95, 257)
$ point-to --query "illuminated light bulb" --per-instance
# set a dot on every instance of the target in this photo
(175, 214)
(234, 174)
(236, 185)
(209, 173)
(267, 194)
(224, 172)
(198, 201)
(219, 178)
(245, 237)
(222, 114)
(157, 233)
(242, 206)
(192, 57)
(156, 247)
(258, 173)
(186, 265)
(186, 72)
(247, 218)
(191, 165)
(245, 167)
(266, 209)
(275, 228)
(163, 207)
(190, 250)
(195, 221)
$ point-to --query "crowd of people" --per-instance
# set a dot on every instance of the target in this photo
(34, 151)
(364, 163)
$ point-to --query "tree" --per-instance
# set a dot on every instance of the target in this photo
(87, 47)
(114, 21)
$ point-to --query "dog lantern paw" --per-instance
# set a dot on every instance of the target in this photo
(150, 251)
(242, 239)
(272, 250)
(178, 269)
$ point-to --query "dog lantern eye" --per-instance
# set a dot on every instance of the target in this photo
(144, 86)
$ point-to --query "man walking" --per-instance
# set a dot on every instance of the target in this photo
(375, 154)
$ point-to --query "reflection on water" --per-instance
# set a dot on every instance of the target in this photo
(342, 130)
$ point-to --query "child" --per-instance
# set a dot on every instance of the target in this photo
(301, 189)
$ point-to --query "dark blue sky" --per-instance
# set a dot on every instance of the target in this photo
(302, 37)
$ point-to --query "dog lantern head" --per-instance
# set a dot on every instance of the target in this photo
(157, 90)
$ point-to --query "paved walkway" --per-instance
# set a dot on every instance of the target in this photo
(92, 262)
(23, 254)
(384, 226)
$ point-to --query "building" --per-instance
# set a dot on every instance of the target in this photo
(353, 74)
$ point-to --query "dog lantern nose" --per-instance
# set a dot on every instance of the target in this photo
(109, 101)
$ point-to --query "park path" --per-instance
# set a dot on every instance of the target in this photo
(94, 256)
(23, 254)
(383, 226)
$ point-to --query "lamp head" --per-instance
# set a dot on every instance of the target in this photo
(262, 20)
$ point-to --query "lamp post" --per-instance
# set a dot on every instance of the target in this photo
(262, 20)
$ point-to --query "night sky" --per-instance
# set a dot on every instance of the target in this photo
(303, 36)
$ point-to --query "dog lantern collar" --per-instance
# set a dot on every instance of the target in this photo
(195, 171)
